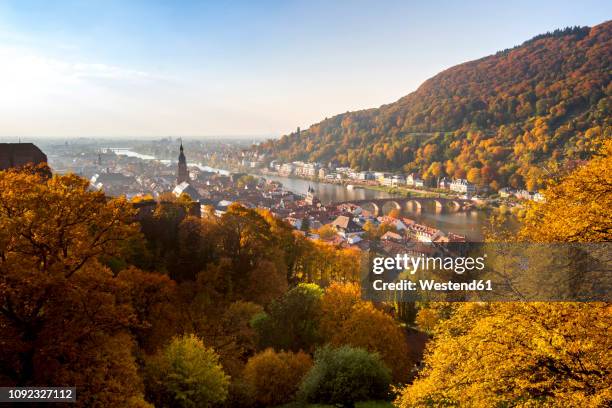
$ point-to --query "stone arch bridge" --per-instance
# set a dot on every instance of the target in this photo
(438, 204)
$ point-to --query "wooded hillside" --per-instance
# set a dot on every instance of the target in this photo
(506, 119)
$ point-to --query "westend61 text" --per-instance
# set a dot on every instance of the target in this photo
(432, 285)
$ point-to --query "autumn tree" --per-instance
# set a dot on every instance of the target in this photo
(349, 320)
(232, 336)
(154, 299)
(337, 304)
(473, 176)
(247, 241)
(289, 241)
(518, 353)
(326, 232)
(274, 377)
(61, 312)
(430, 314)
(576, 207)
(374, 232)
(507, 354)
(186, 374)
(375, 331)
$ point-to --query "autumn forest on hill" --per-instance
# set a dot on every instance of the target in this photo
(509, 119)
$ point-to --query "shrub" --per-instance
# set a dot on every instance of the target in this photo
(274, 378)
(293, 320)
(186, 374)
(345, 375)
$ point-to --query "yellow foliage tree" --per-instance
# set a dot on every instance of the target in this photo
(326, 232)
(186, 374)
(322, 263)
(509, 354)
(337, 305)
(529, 354)
(576, 209)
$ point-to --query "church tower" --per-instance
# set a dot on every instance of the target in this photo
(311, 198)
(183, 174)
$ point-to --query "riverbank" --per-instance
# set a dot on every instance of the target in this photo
(401, 191)
(409, 192)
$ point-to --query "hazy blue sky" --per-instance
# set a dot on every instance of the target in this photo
(155, 68)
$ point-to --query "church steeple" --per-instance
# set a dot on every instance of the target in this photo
(183, 174)
(311, 198)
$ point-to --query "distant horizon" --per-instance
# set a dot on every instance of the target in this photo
(143, 69)
(33, 139)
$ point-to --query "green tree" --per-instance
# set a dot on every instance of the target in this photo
(345, 375)
(292, 321)
(186, 374)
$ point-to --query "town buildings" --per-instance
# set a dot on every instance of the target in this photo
(444, 183)
(463, 186)
(212, 194)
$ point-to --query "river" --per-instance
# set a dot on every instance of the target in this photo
(468, 223)
(124, 151)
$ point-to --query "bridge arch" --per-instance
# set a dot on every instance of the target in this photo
(367, 205)
(454, 205)
(385, 205)
(413, 205)
(438, 205)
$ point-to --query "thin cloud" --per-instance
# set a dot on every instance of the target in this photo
(24, 66)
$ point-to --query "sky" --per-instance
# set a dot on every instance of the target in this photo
(141, 69)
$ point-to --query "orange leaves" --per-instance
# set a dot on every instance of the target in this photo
(348, 320)
(273, 377)
(61, 309)
(58, 224)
